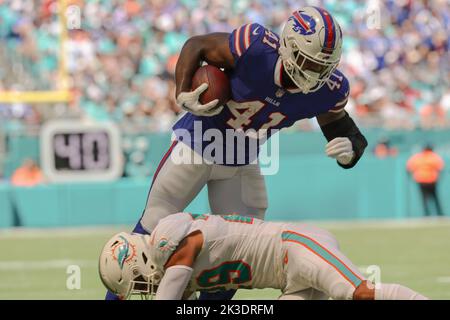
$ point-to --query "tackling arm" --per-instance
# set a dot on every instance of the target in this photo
(179, 268)
(212, 48)
(338, 125)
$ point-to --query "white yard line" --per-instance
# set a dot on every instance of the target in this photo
(20, 265)
(70, 232)
(412, 223)
(94, 294)
(443, 280)
(74, 232)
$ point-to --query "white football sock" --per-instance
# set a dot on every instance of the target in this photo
(389, 291)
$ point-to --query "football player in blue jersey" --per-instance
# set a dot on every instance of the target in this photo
(275, 81)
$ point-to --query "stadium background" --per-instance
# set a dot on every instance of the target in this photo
(116, 63)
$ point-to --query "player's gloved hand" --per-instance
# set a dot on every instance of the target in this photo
(340, 149)
(189, 101)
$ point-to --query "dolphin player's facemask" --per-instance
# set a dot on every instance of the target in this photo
(144, 286)
(310, 48)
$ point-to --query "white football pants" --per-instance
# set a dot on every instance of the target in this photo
(175, 184)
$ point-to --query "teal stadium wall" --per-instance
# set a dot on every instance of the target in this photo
(307, 186)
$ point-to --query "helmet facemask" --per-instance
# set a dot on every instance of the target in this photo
(144, 285)
(307, 73)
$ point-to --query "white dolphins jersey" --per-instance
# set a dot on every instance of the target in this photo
(238, 251)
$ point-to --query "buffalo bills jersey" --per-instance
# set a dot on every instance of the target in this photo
(258, 102)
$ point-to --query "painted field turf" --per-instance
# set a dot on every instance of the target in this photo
(33, 263)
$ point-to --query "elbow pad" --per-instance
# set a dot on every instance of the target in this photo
(346, 127)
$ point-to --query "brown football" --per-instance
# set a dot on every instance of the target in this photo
(218, 84)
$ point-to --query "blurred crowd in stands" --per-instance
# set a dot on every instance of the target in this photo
(121, 60)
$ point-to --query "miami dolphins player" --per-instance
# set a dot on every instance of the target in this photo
(275, 81)
(188, 253)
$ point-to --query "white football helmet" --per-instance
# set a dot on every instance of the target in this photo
(125, 266)
(310, 47)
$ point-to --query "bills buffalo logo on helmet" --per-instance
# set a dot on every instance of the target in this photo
(303, 23)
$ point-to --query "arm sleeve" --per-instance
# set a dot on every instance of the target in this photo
(346, 127)
(174, 282)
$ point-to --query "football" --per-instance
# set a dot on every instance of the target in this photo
(218, 84)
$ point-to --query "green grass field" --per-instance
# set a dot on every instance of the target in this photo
(33, 263)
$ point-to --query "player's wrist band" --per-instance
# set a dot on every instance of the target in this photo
(346, 127)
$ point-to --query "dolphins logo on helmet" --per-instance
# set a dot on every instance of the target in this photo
(126, 252)
(303, 23)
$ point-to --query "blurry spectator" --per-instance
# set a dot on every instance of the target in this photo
(383, 149)
(28, 175)
(432, 115)
(445, 103)
(125, 53)
(376, 109)
(426, 167)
